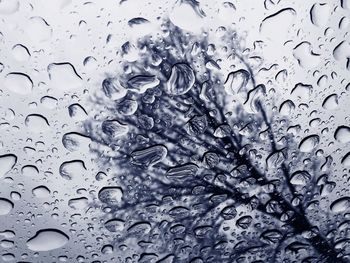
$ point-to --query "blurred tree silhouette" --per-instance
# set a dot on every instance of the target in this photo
(208, 167)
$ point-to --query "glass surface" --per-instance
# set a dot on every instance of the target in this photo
(174, 131)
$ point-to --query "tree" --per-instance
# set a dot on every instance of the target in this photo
(208, 167)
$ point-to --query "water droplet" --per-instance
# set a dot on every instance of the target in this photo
(179, 212)
(115, 225)
(342, 134)
(300, 178)
(302, 91)
(342, 51)
(111, 195)
(7, 162)
(72, 169)
(187, 15)
(309, 143)
(197, 125)
(181, 79)
(19, 83)
(145, 122)
(41, 192)
(306, 57)
(149, 156)
(47, 239)
(15, 196)
(222, 131)
(74, 141)
(201, 231)
(287, 107)
(346, 160)
(229, 212)
(331, 102)
(5, 206)
(112, 89)
(20, 52)
(211, 159)
(37, 123)
(271, 236)
(139, 228)
(320, 14)
(127, 107)
(30, 170)
(77, 112)
(114, 128)
(8, 7)
(107, 249)
(236, 82)
(281, 20)
(182, 171)
(49, 102)
(38, 29)
(90, 63)
(340, 205)
(141, 83)
(63, 76)
(137, 21)
(78, 203)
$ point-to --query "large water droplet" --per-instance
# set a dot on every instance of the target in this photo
(182, 171)
(342, 134)
(79, 203)
(320, 14)
(74, 141)
(20, 52)
(346, 160)
(300, 178)
(63, 76)
(114, 128)
(331, 102)
(340, 205)
(5, 206)
(113, 89)
(127, 107)
(111, 195)
(181, 79)
(187, 15)
(139, 228)
(236, 81)
(281, 20)
(306, 57)
(37, 123)
(115, 225)
(8, 7)
(309, 143)
(38, 29)
(142, 83)
(302, 91)
(73, 169)
(149, 156)
(287, 107)
(197, 125)
(30, 170)
(7, 162)
(47, 239)
(41, 192)
(77, 112)
(49, 102)
(19, 83)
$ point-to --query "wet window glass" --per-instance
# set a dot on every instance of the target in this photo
(178, 131)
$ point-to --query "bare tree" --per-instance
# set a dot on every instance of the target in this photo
(207, 167)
